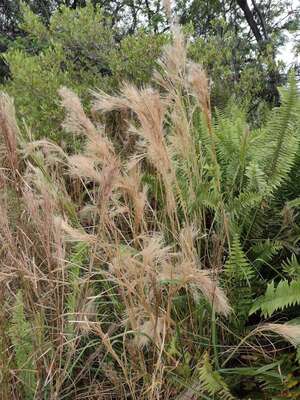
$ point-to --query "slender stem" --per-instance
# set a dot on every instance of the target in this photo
(238, 346)
(214, 337)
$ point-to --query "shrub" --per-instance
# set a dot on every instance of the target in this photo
(77, 49)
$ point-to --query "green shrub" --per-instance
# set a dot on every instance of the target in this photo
(78, 50)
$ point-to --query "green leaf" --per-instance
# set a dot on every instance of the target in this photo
(277, 298)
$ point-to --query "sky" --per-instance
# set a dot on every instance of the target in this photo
(287, 54)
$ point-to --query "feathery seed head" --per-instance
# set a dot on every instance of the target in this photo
(291, 333)
(9, 132)
(76, 120)
(199, 84)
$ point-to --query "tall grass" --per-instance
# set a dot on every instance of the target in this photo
(124, 275)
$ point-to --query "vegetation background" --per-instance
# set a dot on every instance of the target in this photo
(149, 204)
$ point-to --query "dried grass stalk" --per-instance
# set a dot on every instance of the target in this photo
(291, 333)
(199, 84)
(9, 132)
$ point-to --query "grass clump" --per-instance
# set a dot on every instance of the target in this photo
(137, 270)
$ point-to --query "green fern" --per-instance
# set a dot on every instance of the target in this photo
(294, 203)
(237, 266)
(256, 178)
(292, 267)
(212, 382)
(206, 197)
(243, 205)
(277, 298)
(232, 144)
(264, 250)
(20, 333)
(282, 137)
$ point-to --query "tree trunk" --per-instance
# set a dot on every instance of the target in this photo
(251, 21)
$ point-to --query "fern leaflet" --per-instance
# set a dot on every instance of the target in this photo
(277, 298)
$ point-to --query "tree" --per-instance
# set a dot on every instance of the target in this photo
(237, 40)
(257, 28)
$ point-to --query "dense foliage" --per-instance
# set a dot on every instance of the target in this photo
(149, 216)
(76, 49)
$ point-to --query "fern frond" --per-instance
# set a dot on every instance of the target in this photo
(295, 203)
(20, 333)
(256, 178)
(292, 267)
(237, 266)
(282, 138)
(245, 202)
(264, 250)
(207, 197)
(212, 382)
(278, 298)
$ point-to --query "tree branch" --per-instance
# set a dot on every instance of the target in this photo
(251, 21)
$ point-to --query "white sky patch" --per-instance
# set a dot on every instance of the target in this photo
(287, 53)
